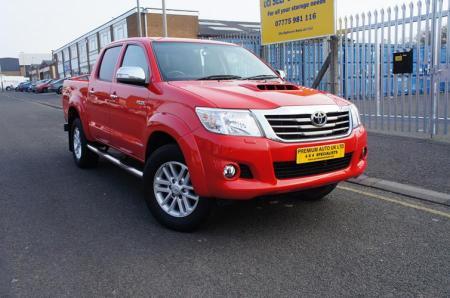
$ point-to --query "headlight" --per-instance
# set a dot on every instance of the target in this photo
(356, 120)
(229, 122)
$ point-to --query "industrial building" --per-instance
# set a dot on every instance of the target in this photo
(79, 56)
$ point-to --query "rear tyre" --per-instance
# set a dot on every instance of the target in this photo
(314, 194)
(170, 195)
(59, 91)
(83, 157)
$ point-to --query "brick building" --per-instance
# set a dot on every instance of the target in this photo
(79, 56)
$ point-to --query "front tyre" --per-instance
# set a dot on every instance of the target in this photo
(83, 157)
(170, 196)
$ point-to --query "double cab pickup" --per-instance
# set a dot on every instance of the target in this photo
(203, 120)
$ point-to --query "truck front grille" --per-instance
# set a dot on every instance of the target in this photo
(287, 170)
(299, 126)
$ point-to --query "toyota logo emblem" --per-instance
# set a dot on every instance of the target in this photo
(319, 119)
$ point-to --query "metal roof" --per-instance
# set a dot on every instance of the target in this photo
(210, 28)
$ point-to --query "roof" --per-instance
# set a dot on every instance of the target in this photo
(33, 58)
(169, 39)
(123, 17)
(209, 28)
(9, 64)
(46, 62)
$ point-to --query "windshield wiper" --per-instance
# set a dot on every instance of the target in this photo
(220, 77)
(261, 77)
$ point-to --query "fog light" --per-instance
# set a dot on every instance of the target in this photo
(229, 171)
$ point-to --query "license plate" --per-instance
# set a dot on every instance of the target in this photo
(320, 153)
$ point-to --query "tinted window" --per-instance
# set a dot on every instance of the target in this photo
(135, 56)
(108, 64)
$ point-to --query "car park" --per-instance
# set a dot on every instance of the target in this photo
(203, 120)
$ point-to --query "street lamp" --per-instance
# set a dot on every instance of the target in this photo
(164, 15)
(164, 18)
(139, 18)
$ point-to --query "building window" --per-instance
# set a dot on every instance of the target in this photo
(92, 61)
(93, 46)
(93, 51)
(60, 64)
(105, 37)
(120, 30)
(66, 64)
(66, 55)
(74, 60)
(83, 51)
(84, 67)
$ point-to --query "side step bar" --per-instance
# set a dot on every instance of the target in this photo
(117, 162)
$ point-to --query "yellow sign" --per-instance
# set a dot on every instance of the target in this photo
(289, 20)
(320, 153)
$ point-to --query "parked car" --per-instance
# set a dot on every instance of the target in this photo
(23, 86)
(198, 120)
(11, 82)
(31, 87)
(42, 86)
(19, 86)
(56, 86)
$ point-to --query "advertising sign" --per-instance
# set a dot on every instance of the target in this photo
(289, 20)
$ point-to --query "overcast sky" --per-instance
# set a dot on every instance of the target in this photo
(39, 26)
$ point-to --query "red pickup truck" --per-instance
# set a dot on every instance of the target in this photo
(201, 120)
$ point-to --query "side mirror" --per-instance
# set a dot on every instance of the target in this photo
(281, 73)
(133, 75)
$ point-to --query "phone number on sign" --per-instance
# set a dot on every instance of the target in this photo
(297, 19)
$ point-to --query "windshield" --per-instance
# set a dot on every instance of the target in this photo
(184, 61)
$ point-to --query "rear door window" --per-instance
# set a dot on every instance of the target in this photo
(108, 65)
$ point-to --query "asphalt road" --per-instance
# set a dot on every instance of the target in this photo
(65, 232)
(419, 162)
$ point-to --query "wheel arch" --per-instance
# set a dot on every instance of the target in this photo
(72, 114)
(166, 129)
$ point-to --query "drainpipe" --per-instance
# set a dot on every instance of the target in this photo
(146, 22)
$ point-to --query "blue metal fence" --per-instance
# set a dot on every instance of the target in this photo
(413, 103)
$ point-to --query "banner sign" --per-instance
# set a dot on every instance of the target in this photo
(290, 20)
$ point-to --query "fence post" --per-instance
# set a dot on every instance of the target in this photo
(334, 65)
(434, 69)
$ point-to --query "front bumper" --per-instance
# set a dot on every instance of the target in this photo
(259, 154)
